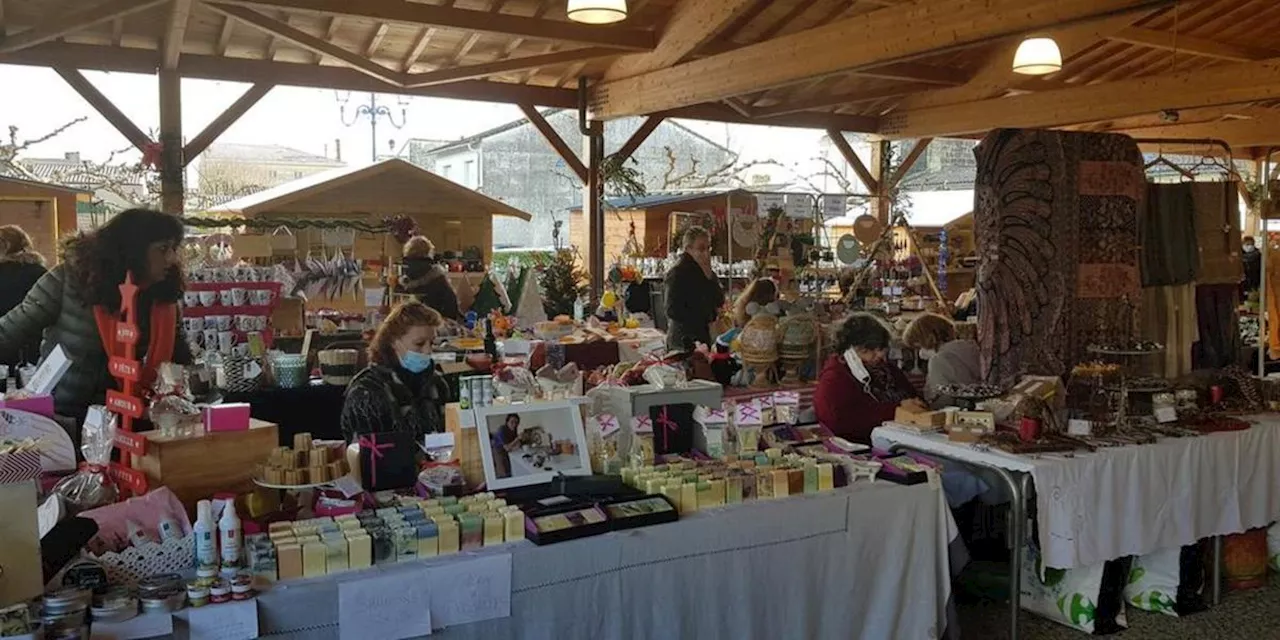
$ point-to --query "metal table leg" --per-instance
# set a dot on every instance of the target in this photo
(1019, 488)
(1215, 573)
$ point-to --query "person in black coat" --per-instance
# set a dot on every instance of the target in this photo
(20, 268)
(693, 295)
(427, 280)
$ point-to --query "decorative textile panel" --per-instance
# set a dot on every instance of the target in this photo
(1056, 227)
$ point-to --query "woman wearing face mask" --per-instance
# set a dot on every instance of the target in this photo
(77, 305)
(859, 389)
(400, 390)
(951, 361)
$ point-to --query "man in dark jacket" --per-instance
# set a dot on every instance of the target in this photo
(693, 295)
(20, 268)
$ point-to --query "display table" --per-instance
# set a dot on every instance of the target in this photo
(1094, 507)
(865, 562)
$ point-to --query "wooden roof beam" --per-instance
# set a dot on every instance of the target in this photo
(549, 134)
(60, 23)
(467, 20)
(307, 41)
(1182, 43)
(917, 150)
(375, 40)
(693, 24)
(198, 144)
(641, 134)
(484, 70)
(103, 106)
(1213, 86)
(1262, 132)
(916, 72)
(842, 99)
(846, 151)
(175, 32)
(891, 35)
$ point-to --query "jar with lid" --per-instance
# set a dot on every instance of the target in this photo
(64, 614)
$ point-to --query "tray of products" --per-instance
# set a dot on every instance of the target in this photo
(1135, 348)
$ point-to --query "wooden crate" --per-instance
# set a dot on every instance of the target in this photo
(466, 446)
(196, 468)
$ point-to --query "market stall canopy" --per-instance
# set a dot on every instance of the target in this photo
(385, 188)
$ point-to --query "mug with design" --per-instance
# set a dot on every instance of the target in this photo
(244, 323)
(244, 274)
(227, 297)
(225, 340)
(221, 323)
(240, 350)
(208, 298)
(260, 297)
(259, 323)
(223, 274)
(191, 298)
(193, 325)
(239, 297)
(210, 339)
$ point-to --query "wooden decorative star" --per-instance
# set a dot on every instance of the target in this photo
(128, 294)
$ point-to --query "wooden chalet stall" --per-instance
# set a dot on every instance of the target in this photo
(45, 211)
(654, 217)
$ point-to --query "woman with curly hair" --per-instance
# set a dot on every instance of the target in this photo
(20, 267)
(859, 388)
(77, 305)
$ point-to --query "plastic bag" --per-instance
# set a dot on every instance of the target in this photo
(664, 376)
(1072, 597)
(1153, 582)
(1273, 546)
(172, 411)
(91, 486)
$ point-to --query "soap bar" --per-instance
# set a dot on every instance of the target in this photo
(733, 489)
(279, 526)
(433, 511)
(717, 492)
(688, 498)
(672, 491)
(337, 556)
(513, 519)
(704, 498)
(289, 561)
(780, 484)
(471, 527)
(795, 481)
(314, 555)
(448, 537)
(764, 485)
(494, 533)
(406, 543)
(360, 551)
(826, 476)
(811, 478)
(428, 540)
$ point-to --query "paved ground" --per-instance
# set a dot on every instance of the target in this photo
(1254, 615)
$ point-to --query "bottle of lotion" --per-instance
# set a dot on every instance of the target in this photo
(230, 536)
(205, 531)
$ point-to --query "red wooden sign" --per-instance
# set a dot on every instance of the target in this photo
(123, 404)
(124, 368)
(127, 332)
(134, 480)
(132, 442)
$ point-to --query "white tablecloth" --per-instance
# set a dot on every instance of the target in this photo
(866, 562)
(1135, 500)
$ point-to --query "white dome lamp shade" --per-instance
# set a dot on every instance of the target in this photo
(597, 11)
(1037, 56)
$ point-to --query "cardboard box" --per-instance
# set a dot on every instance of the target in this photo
(924, 420)
(227, 417)
(196, 468)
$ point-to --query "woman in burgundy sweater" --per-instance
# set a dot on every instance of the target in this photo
(859, 388)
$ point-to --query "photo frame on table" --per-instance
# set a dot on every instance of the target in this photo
(531, 443)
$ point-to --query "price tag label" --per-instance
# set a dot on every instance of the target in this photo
(127, 333)
(134, 443)
(124, 368)
(1166, 414)
(123, 404)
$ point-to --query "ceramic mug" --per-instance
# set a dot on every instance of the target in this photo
(244, 274)
(208, 298)
(193, 325)
(227, 297)
(191, 298)
(259, 323)
(210, 338)
(240, 350)
(244, 323)
(220, 323)
(239, 297)
(260, 297)
(225, 340)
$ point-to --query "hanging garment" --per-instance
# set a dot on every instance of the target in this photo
(465, 290)
(1219, 344)
(1169, 317)
(487, 298)
(1167, 231)
(1217, 207)
(1056, 217)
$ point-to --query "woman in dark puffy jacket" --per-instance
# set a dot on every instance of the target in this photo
(77, 305)
(20, 268)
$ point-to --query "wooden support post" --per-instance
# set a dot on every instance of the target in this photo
(629, 147)
(593, 206)
(549, 134)
(846, 151)
(172, 187)
(880, 204)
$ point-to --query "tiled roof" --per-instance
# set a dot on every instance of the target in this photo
(74, 172)
(269, 153)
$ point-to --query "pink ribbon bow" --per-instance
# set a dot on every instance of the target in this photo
(370, 442)
(668, 425)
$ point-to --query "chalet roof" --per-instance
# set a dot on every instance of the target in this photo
(266, 154)
(74, 171)
(665, 198)
(415, 183)
(548, 113)
(38, 184)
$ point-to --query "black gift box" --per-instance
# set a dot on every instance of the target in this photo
(673, 426)
(388, 460)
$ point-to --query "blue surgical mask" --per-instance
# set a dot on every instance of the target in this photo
(416, 362)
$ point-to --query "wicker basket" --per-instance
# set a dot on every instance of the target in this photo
(338, 366)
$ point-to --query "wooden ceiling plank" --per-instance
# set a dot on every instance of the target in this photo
(307, 41)
(693, 24)
(210, 133)
(1237, 133)
(719, 112)
(846, 151)
(856, 97)
(62, 23)
(224, 34)
(468, 20)
(917, 150)
(796, 11)
(1182, 43)
(847, 45)
(419, 45)
(484, 70)
(117, 32)
(175, 33)
(738, 105)
(375, 40)
(996, 77)
(916, 72)
(549, 134)
(1218, 85)
(103, 106)
(641, 134)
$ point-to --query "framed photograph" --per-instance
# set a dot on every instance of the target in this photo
(527, 444)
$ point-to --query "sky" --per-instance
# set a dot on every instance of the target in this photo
(303, 118)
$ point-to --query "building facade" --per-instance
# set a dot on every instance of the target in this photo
(514, 164)
(231, 170)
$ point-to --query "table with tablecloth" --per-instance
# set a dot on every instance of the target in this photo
(869, 561)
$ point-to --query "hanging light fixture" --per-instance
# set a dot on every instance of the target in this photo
(597, 11)
(1037, 56)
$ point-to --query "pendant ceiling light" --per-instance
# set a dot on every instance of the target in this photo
(597, 11)
(1037, 57)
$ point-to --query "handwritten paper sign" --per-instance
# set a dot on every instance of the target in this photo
(799, 206)
(471, 591)
(227, 621)
(392, 606)
(833, 205)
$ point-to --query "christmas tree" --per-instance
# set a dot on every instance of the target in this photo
(562, 283)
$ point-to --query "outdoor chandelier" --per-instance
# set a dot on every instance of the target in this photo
(597, 11)
(1037, 57)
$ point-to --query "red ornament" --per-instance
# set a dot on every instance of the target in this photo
(151, 153)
